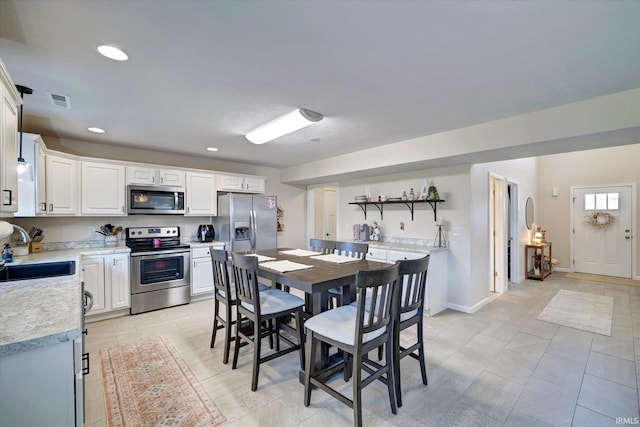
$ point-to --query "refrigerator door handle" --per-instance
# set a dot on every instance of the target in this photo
(254, 229)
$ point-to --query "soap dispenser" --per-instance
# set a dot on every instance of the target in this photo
(7, 253)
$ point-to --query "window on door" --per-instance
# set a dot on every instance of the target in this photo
(601, 201)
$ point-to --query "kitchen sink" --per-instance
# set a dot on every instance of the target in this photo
(37, 271)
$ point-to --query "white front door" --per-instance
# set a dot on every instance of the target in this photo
(602, 235)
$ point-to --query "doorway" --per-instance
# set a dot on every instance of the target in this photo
(497, 233)
(513, 242)
(602, 230)
(322, 212)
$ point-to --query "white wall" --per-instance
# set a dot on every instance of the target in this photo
(522, 171)
(453, 186)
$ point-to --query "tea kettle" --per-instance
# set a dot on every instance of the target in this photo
(206, 233)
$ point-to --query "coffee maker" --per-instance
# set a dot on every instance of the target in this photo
(206, 233)
(361, 232)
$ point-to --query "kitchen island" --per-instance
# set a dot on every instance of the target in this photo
(41, 344)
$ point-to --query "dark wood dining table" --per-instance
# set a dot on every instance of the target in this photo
(315, 282)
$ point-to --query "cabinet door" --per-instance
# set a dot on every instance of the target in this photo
(102, 189)
(254, 185)
(231, 183)
(201, 195)
(141, 175)
(119, 283)
(62, 185)
(93, 278)
(375, 254)
(41, 181)
(171, 177)
(201, 275)
(8, 154)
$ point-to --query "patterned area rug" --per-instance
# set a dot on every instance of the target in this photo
(146, 383)
(580, 310)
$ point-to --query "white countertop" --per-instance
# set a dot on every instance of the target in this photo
(38, 312)
(406, 247)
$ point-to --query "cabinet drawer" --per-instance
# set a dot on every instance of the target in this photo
(374, 254)
(393, 256)
(200, 252)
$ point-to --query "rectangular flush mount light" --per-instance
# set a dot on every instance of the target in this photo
(284, 125)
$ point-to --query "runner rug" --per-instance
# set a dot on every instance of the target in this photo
(580, 310)
(146, 383)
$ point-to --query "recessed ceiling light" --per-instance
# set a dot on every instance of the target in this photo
(212, 149)
(96, 130)
(112, 52)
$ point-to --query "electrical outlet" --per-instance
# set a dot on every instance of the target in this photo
(92, 231)
(457, 231)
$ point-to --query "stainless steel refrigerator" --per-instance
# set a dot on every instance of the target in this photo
(246, 222)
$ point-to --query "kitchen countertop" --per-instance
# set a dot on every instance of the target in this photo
(198, 244)
(406, 247)
(39, 312)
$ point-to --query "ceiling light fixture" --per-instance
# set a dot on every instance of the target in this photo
(112, 52)
(23, 167)
(212, 149)
(96, 130)
(284, 125)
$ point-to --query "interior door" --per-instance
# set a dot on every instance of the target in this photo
(602, 235)
(329, 213)
(498, 234)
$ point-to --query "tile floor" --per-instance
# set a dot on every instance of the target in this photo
(497, 367)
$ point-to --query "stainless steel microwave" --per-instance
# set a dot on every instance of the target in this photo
(142, 199)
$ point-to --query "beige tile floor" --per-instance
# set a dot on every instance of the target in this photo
(497, 367)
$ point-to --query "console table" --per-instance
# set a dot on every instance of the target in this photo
(537, 260)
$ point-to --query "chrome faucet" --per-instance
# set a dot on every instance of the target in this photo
(6, 231)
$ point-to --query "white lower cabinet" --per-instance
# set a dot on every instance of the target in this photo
(107, 278)
(202, 270)
(37, 387)
(437, 295)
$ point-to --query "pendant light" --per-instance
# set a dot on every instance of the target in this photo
(24, 168)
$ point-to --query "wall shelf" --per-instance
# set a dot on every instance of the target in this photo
(407, 203)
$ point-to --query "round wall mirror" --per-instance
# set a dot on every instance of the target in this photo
(529, 212)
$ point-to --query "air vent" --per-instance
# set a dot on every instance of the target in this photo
(60, 100)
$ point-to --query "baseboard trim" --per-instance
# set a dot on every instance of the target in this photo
(467, 309)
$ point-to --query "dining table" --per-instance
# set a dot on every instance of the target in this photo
(315, 281)
(321, 273)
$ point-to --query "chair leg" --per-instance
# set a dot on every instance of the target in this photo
(236, 350)
(216, 306)
(380, 352)
(227, 336)
(257, 343)
(310, 351)
(357, 390)
(421, 355)
(392, 381)
(395, 364)
(299, 327)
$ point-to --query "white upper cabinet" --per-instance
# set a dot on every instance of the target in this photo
(8, 144)
(40, 179)
(201, 194)
(242, 184)
(62, 185)
(145, 175)
(102, 189)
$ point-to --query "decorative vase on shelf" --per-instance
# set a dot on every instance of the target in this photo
(433, 194)
(412, 195)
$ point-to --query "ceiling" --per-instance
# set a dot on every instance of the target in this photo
(203, 73)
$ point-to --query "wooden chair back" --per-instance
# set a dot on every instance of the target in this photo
(412, 285)
(353, 249)
(322, 246)
(245, 273)
(220, 263)
(376, 299)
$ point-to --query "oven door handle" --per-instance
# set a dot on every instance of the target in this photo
(152, 254)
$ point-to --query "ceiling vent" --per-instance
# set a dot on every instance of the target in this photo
(60, 100)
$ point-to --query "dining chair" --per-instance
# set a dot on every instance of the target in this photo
(350, 249)
(224, 293)
(409, 312)
(259, 310)
(356, 330)
(322, 246)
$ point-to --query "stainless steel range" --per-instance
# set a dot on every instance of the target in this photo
(159, 268)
